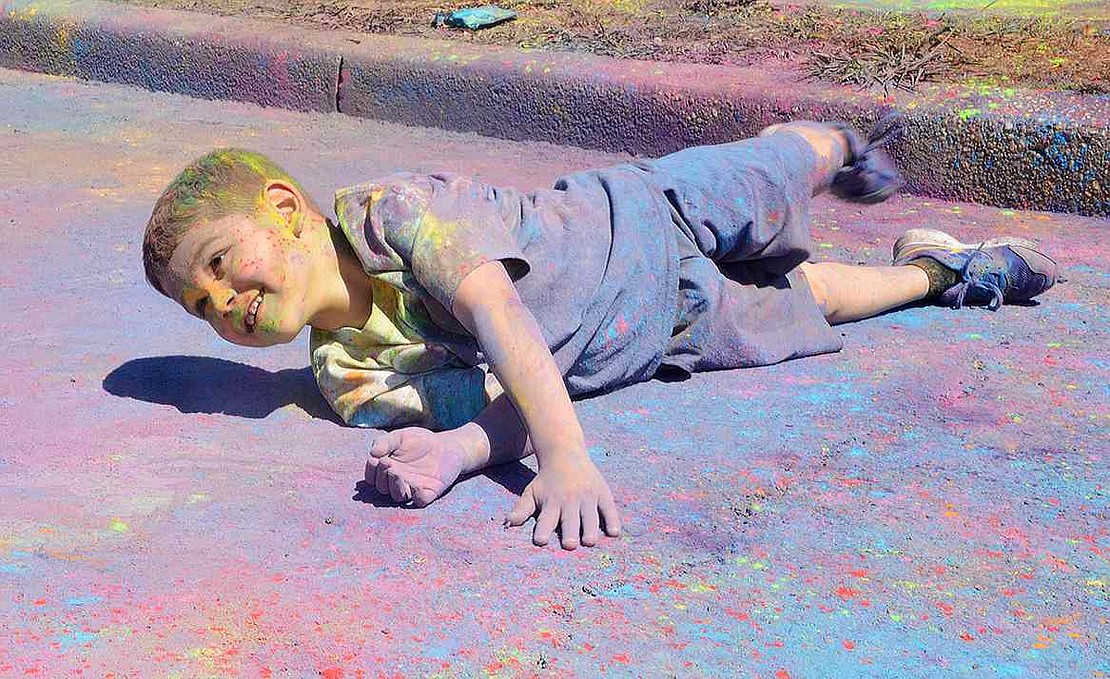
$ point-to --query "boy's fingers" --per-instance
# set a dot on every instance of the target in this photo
(591, 525)
(423, 497)
(611, 516)
(524, 508)
(406, 489)
(409, 450)
(545, 524)
(371, 470)
(394, 485)
(382, 480)
(385, 443)
(570, 525)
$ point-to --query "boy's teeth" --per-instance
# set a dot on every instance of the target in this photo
(252, 312)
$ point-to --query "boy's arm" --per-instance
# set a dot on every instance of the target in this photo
(568, 491)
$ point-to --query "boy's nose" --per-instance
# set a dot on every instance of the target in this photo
(222, 299)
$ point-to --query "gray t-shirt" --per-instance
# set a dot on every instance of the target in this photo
(594, 259)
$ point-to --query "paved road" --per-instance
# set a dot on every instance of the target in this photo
(931, 501)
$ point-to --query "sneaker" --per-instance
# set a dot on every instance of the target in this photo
(992, 272)
(869, 174)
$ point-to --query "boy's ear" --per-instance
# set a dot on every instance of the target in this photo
(287, 201)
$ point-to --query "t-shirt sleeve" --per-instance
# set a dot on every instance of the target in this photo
(438, 227)
(464, 226)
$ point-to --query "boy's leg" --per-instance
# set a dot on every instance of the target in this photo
(741, 210)
(845, 292)
(748, 201)
(829, 145)
(932, 265)
(866, 174)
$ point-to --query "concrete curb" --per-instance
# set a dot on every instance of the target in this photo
(999, 146)
(179, 52)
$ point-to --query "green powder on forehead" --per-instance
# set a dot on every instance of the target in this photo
(223, 182)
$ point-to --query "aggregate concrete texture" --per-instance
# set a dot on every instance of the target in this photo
(983, 143)
(194, 54)
(931, 501)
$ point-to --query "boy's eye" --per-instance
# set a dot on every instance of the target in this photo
(215, 263)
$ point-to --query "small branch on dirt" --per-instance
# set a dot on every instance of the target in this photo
(903, 66)
(715, 7)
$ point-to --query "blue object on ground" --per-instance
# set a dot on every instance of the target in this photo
(474, 18)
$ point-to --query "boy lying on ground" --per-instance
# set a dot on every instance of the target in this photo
(470, 314)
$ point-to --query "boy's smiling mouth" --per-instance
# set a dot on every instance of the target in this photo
(252, 312)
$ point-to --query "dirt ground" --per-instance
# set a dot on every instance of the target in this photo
(855, 45)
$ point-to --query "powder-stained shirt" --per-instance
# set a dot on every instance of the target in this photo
(594, 259)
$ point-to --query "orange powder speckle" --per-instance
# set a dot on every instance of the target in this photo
(846, 592)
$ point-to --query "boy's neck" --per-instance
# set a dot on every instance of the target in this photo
(345, 286)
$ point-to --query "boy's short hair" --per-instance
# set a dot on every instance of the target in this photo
(220, 183)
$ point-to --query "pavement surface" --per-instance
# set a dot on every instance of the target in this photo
(931, 501)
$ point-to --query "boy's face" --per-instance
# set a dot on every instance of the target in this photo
(247, 276)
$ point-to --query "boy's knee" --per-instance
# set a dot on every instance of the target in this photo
(829, 143)
(811, 274)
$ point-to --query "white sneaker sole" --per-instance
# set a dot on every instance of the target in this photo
(927, 239)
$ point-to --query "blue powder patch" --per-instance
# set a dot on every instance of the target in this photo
(73, 639)
(82, 600)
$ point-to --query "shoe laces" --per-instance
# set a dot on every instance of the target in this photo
(888, 127)
(990, 280)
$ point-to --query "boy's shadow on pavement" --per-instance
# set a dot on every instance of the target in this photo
(202, 384)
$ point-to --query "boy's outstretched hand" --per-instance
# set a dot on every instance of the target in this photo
(570, 493)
